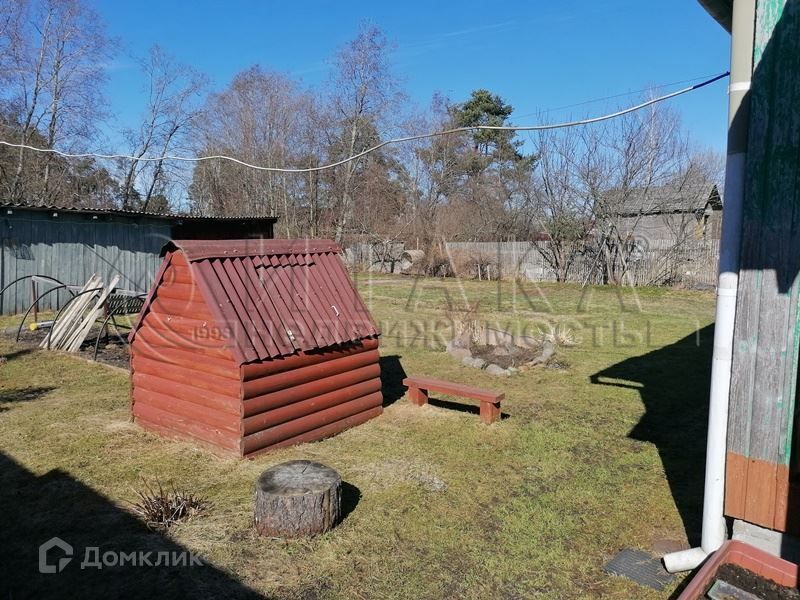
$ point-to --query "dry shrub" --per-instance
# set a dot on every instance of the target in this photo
(560, 335)
(160, 508)
(437, 263)
(476, 265)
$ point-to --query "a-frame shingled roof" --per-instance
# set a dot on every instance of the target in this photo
(274, 297)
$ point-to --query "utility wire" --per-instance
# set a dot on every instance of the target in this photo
(410, 138)
(612, 97)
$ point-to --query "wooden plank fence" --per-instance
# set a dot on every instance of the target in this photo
(693, 263)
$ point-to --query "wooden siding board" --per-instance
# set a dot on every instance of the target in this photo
(764, 373)
(321, 432)
(253, 406)
(735, 485)
(189, 359)
(286, 363)
(302, 408)
(190, 308)
(279, 433)
(192, 377)
(217, 349)
(199, 413)
(180, 426)
(300, 375)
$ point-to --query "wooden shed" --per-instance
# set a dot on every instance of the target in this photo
(249, 345)
(70, 244)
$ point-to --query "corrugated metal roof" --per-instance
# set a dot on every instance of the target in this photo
(129, 213)
(275, 297)
(666, 199)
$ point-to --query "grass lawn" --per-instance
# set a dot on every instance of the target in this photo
(603, 455)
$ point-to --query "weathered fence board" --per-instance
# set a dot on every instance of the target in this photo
(661, 262)
(71, 248)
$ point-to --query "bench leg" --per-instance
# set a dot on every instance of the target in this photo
(418, 397)
(490, 412)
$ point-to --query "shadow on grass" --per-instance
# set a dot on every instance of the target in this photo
(392, 375)
(17, 395)
(351, 496)
(34, 509)
(18, 353)
(472, 409)
(673, 383)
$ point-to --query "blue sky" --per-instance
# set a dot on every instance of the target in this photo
(537, 55)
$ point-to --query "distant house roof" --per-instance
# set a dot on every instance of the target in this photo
(128, 213)
(667, 199)
(273, 297)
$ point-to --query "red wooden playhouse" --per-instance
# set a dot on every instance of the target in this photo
(249, 345)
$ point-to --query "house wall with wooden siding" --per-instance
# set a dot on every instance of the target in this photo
(767, 327)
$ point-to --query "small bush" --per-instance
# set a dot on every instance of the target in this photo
(160, 508)
(560, 335)
(475, 265)
(437, 264)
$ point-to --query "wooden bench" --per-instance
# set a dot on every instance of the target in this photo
(418, 388)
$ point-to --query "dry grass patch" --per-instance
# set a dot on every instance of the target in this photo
(438, 506)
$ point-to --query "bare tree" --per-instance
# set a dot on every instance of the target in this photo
(560, 213)
(57, 50)
(173, 94)
(363, 92)
(11, 12)
(262, 118)
(629, 160)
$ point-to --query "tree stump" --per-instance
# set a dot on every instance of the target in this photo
(297, 498)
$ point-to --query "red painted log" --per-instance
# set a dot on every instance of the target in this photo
(217, 349)
(178, 274)
(279, 365)
(320, 433)
(309, 390)
(189, 393)
(279, 381)
(197, 413)
(194, 377)
(186, 358)
(146, 414)
(279, 433)
(179, 291)
(171, 306)
(302, 408)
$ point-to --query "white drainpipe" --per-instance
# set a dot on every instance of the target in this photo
(714, 528)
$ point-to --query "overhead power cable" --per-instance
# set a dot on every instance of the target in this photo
(614, 96)
(409, 138)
